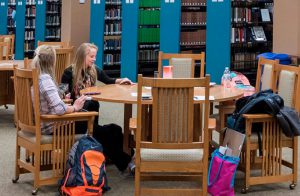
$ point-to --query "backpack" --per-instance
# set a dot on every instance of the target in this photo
(85, 173)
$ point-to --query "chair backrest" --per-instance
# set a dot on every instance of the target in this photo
(55, 45)
(183, 64)
(4, 50)
(27, 100)
(265, 78)
(288, 84)
(173, 114)
(10, 39)
(63, 58)
(27, 63)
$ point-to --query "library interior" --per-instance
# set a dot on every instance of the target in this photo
(149, 97)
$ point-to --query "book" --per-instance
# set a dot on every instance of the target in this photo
(265, 15)
(258, 33)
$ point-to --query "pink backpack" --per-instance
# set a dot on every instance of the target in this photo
(239, 80)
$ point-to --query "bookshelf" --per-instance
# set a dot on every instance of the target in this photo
(148, 36)
(53, 21)
(193, 26)
(112, 38)
(30, 26)
(11, 14)
(251, 34)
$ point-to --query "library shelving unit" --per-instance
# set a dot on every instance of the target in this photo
(193, 26)
(30, 26)
(112, 38)
(11, 14)
(53, 21)
(251, 34)
(148, 36)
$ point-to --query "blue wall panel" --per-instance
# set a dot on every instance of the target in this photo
(170, 14)
(3, 17)
(20, 29)
(97, 28)
(40, 21)
(218, 38)
(129, 43)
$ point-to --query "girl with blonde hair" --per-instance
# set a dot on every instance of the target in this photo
(50, 101)
(84, 73)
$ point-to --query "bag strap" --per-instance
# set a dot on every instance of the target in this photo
(219, 169)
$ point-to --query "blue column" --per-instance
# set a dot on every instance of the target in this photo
(218, 38)
(170, 15)
(3, 17)
(129, 41)
(40, 21)
(97, 28)
(20, 29)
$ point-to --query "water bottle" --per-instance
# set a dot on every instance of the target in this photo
(226, 78)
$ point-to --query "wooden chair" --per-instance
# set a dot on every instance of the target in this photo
(55, 45)
(175, 150)
(10, 39)
(183, 64)
(4, 50)
(265, 79)
(272, 163)
(48, 152)
(63, 58)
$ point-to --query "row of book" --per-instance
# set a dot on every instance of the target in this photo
(112, 44)
(29, 46)
(193, 18)
(114, 28)
(113, 13)
(148, 55)
(246, 34)
(146, 35)
(53, 8)
(52, 33)
(52, 20)
(244, 56)
(149, 3)
(30, 23)
(193, 38)
(30, 11)
(193, 2)
(113, 2)
(253, 14)
(30, 2)
(112, 59)
(29, 35)
(149, 17)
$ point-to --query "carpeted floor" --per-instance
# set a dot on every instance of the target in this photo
(121, 184)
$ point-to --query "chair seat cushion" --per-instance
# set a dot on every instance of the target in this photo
(171, 154)
(45, 139)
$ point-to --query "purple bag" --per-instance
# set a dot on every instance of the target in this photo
(221, 174)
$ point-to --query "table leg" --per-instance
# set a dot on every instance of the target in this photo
(127, 116)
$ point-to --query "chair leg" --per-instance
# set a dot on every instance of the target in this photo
(37, 167)
(17, 168)
(137, 179)
(295, 163)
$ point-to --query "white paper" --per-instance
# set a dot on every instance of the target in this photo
(214, 0)
(167, 1)
(144, 95)
(127, 1)
(172, 1)
(131, 1)
(6, 64)
(201, 98)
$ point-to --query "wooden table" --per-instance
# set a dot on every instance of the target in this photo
(7, 88)
(123, 94)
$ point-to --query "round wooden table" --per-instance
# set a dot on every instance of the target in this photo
(126, 94)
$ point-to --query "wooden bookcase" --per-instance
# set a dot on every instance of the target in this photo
(246, 19)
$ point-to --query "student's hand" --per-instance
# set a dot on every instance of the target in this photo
(78, 104)
(125, 81)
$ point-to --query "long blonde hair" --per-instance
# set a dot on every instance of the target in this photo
(44, 60)
(79, 65)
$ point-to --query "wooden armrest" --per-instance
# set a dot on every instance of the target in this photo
(257, 116)
(72, 116)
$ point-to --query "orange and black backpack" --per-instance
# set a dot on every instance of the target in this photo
(85, 171)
